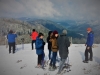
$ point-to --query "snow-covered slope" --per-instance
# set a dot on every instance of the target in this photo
(9, 64)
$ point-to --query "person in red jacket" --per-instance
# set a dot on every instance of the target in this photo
(33, 35)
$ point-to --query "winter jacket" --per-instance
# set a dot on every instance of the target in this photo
(54, 46)
(39, 46)
(34, 35)
(90, 39)
(49, 43)
(48, 40)
(63, 44)
(11, 38)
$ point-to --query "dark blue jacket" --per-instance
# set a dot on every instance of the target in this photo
(39, 46)
(11, 37)
(90, 39)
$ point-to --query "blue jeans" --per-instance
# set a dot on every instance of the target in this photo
(50, 54)
(53, 60)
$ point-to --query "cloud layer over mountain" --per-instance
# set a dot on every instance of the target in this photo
(52, 9)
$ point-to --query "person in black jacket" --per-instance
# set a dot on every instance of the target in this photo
(63, 44)
(49, 43)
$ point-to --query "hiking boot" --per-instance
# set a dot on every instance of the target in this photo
(54, 67)
(85, 61)
(50, 66)
(91, 59)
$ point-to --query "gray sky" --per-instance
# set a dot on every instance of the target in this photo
(51, 9)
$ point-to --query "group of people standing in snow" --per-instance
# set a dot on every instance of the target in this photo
(56, 43)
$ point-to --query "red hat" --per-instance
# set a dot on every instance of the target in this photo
(89, 29)
(55, 32)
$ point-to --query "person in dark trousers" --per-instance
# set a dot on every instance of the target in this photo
(33, 35)
(63, 44)
(40, 49)
(49, 43)
(89, 43)
(11, 40)
(54, 48)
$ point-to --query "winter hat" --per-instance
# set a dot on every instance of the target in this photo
(55, 32)
(89, 29)
(64, 31)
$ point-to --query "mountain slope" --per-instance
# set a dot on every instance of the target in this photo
(22, 28)
(54, 26)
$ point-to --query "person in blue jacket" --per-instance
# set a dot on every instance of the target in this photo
(11, 40)
(40, 49)
(89, 43)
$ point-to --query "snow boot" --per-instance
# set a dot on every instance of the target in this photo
(85, 61)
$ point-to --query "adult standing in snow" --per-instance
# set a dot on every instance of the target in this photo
(40, 49)
(33, 35)
(11, 40)
(63, 44)
(50, 33)
(88, 45)
(54, 49)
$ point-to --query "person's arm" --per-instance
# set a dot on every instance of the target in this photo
(90, 40)
(38, 44)
(48, 39)
(67, 42)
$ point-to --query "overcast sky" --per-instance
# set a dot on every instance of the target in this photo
(51, 9)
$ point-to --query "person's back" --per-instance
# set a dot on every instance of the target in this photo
(63, 44)
(34, 35)
(11, 37)
(11, 40)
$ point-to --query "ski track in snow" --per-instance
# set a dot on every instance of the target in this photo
(23, 62)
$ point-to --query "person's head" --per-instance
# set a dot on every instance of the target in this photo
(33, 30)
(55, 33)
(11, 31)
(41, 35)
(89, 30)
(50, 33)
(64, 32)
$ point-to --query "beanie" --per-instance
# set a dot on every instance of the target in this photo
(89, 29)
(55, 32)
(64, 31)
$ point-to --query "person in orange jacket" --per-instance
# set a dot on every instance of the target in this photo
(33, 35)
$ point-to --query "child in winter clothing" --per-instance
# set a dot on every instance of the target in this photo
(54, 49)
(11, 40)
(88, 45)
(40, 49)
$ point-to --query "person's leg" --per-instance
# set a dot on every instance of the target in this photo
(32, 44)
(91, 54)
(54, 59)
(49, 54)
(42, 60)
(13, 45)
(9, 47)
(86, 55)
(35, 44)
(61, 65)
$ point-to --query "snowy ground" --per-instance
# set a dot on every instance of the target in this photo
(9, 64)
